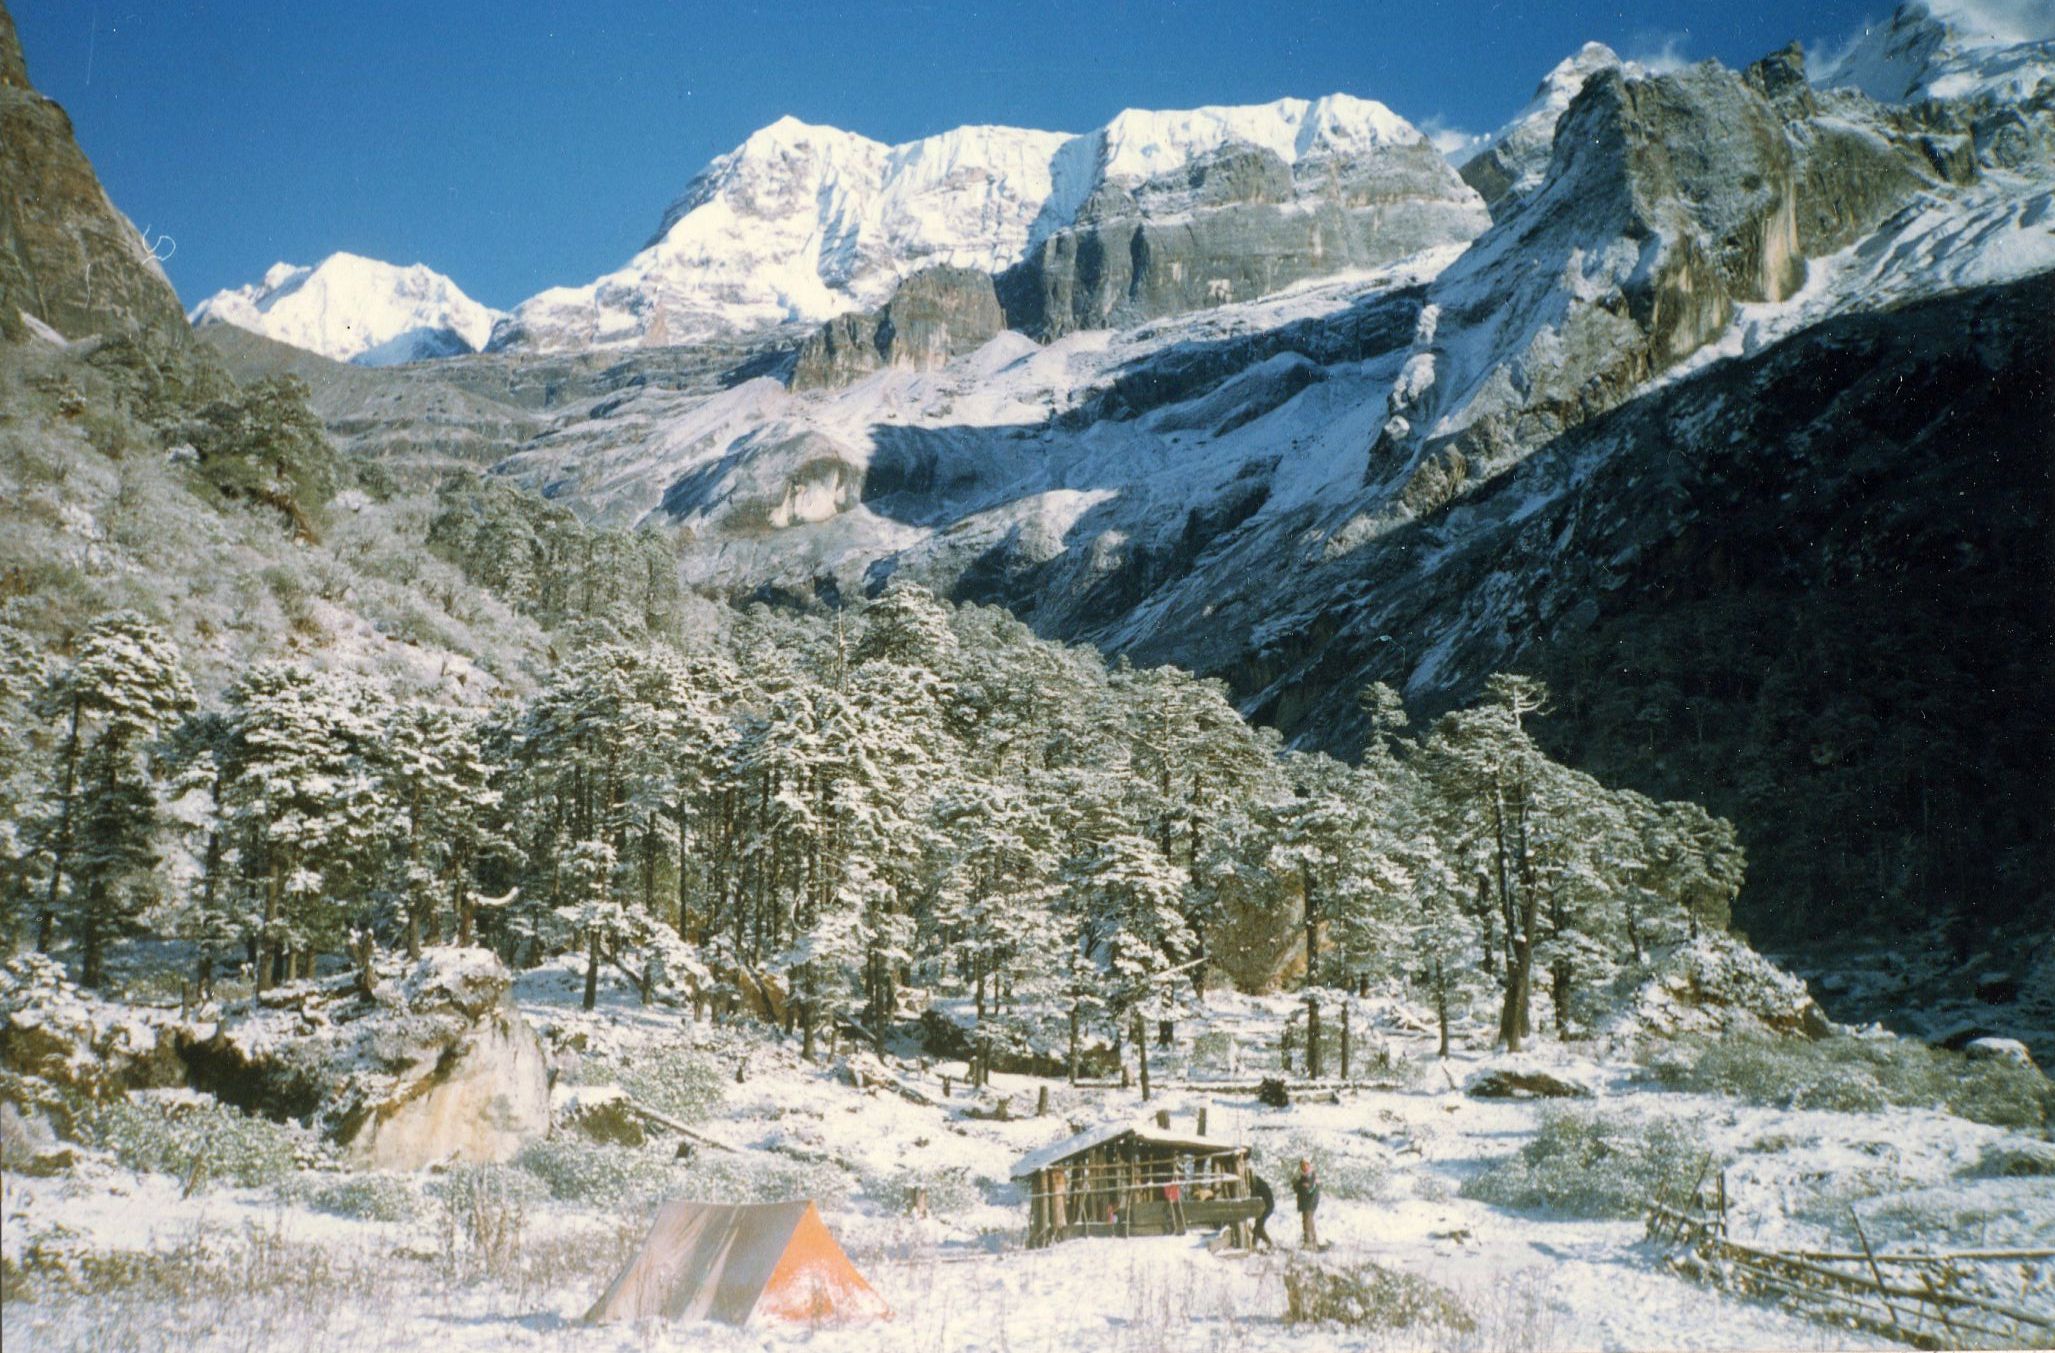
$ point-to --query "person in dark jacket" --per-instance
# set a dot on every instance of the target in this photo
(1260, 1187)
(1306, 1188)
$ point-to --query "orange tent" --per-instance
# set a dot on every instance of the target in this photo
(729, 1262)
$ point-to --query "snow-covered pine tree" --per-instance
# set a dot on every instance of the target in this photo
(300, 795)
(125, 684)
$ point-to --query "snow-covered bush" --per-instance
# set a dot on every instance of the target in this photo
(484, 1219)
(1343, 1173)
(757, 1177)
(1213, 1053)
(1857, 1075)
(2011, 1159)
(678, 1082)
(200, 1142)
(1587, 1163)
(579, 1171)
(1365, 1295)
(373, 1196)
(951, 1191)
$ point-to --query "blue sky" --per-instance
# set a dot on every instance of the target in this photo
(526, 143)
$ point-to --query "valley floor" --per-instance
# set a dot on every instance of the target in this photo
(102, 1257)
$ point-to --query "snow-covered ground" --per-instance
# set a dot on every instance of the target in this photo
(243, 1268)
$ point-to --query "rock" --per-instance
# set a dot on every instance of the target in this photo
(67, 257)
(438, 1066)
(2017, 1157)
(599, 1112)
(1997, 988)
(1999, 1050)
(29, 1145)
(935, 315)
(1232, 226)
(1716, 985)
(1518, 1078)
(55, 1032)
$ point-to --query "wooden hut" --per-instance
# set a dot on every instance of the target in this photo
(1111, 1181)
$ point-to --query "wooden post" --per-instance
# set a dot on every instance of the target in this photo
(945, 1087)
(1344, 1040)
(1875, 1271)
(1163, 1119)
(1042, 1103)
(1202, 1120)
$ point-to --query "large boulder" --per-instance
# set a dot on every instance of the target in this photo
(1516, 1077)
(1717, 985)
(436, 1065)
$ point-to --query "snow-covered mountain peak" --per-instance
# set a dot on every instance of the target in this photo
(356, 309)
(1141, 144)
(801, 223)
(1507, 165)
(1948, 49)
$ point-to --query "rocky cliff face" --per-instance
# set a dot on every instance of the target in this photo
(68, 259)
(935, 315)
(1511, 163)
(1234, 225)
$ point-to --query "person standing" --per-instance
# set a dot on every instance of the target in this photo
(1059, 1218)
(1173, 1194)
(1306, 1188)
(1260, 1187)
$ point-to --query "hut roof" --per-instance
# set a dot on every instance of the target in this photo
(1145, 1131)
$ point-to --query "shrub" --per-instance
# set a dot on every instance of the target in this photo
(1343, 1174)
(678, 1082)
(368, 1197)
(578, 1171)
(1368, 1296)
(1585, 1163)
(1213, 1051)
(484, 1220)
(2011, 1159)
(198, 1142)
(1858, 1075)
(760, 1178)
(951, 1189)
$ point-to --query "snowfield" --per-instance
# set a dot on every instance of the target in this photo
(114, 1259)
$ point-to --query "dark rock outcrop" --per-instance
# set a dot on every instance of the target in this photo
(67, 257)
(935, 315)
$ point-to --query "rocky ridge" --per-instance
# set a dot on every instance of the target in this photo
(69, 261)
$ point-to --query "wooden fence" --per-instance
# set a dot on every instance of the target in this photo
(1960, 1299)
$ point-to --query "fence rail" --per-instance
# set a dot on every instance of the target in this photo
(1925, 1300)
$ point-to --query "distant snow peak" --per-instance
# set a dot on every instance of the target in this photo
(801, 223)
(356, 309)
(1946, 49)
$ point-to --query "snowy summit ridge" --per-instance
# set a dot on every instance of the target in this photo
(802, 222)
(356, 309)
(1950, 49)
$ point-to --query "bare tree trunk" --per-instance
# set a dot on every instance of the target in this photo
(1142, 1054)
